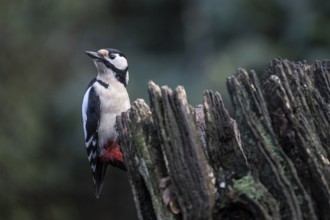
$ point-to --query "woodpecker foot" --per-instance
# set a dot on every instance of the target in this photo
(169, 197)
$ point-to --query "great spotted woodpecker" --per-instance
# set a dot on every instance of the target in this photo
(105, 98)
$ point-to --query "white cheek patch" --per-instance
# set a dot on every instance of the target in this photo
(119, 62)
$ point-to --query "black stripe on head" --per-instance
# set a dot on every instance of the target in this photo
(122, 77)
(120, 74)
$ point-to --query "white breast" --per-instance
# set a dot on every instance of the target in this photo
(114, 100)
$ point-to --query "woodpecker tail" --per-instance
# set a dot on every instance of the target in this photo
(111, 156)
(98, 176)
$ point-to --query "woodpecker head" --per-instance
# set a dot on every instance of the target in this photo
(111, 61)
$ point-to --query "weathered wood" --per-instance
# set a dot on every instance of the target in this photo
(303, 131)
(133, 144)
(271, 162)
(268, 162)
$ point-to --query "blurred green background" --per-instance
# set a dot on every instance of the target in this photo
(44, 172)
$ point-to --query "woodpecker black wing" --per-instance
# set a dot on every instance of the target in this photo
(91, 119)
(91, 116)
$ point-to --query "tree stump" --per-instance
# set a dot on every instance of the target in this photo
(272, 161)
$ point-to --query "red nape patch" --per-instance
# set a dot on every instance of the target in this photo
(111, 153)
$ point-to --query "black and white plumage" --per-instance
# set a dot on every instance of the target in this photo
(105, 98)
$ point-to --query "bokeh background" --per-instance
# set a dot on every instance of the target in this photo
(44, 172)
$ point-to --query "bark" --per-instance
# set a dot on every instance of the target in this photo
(270, 161)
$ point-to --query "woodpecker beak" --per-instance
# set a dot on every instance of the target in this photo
(93, 55)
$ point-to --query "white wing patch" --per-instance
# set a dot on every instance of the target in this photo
(93, 166)
(84, 113)
(88, 143)
(94, 142)
(92, 155)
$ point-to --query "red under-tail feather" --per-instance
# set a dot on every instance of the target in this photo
(111, 155)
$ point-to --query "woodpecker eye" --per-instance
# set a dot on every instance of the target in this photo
(112, 56)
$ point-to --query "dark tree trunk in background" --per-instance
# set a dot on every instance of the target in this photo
(271, 162)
